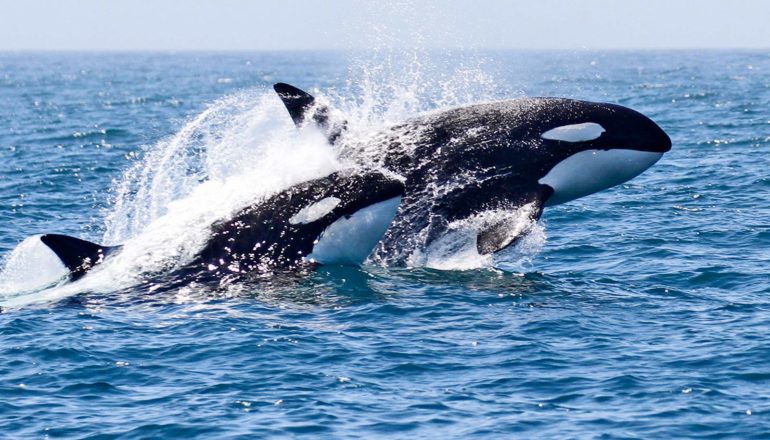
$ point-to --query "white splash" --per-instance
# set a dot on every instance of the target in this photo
(242, 148)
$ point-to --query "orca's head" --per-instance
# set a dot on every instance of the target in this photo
(343, 216)
(593, 146)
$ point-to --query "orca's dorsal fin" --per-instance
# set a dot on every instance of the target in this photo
(79, 256)
(303, 108)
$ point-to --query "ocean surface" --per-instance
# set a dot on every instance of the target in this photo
(639, 312)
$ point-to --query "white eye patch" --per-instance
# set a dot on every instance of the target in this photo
(314, 211)
(587, 131)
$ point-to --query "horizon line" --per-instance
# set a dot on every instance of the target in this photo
(399, 48)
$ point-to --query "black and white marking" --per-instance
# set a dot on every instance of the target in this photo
(453, 165)
(490, 157)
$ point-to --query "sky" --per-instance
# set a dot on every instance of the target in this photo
(243, 25)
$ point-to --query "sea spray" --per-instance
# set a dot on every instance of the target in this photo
(241, 149)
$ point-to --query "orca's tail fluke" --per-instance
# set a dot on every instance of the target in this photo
(79, 256)
(303, 108)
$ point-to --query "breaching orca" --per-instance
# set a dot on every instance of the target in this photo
(500, 156)
(434, 170)
(334, 219)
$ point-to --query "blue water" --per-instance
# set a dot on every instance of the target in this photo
(642, 312)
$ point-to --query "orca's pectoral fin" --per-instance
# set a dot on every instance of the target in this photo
(519, 209)
(501, 210)
(303, 108)
(79, 256)
(508, 231)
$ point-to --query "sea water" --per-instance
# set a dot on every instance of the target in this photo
(641, 311)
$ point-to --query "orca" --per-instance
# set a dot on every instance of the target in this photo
(415, 181)
(337, 219)
(507, 157)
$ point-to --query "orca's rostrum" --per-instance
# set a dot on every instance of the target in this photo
(417, 180)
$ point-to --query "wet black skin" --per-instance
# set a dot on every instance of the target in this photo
(454, 164)
(489, 156)
(482, 157)
(261, 238)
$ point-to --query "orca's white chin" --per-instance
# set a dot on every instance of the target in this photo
(591, 171)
